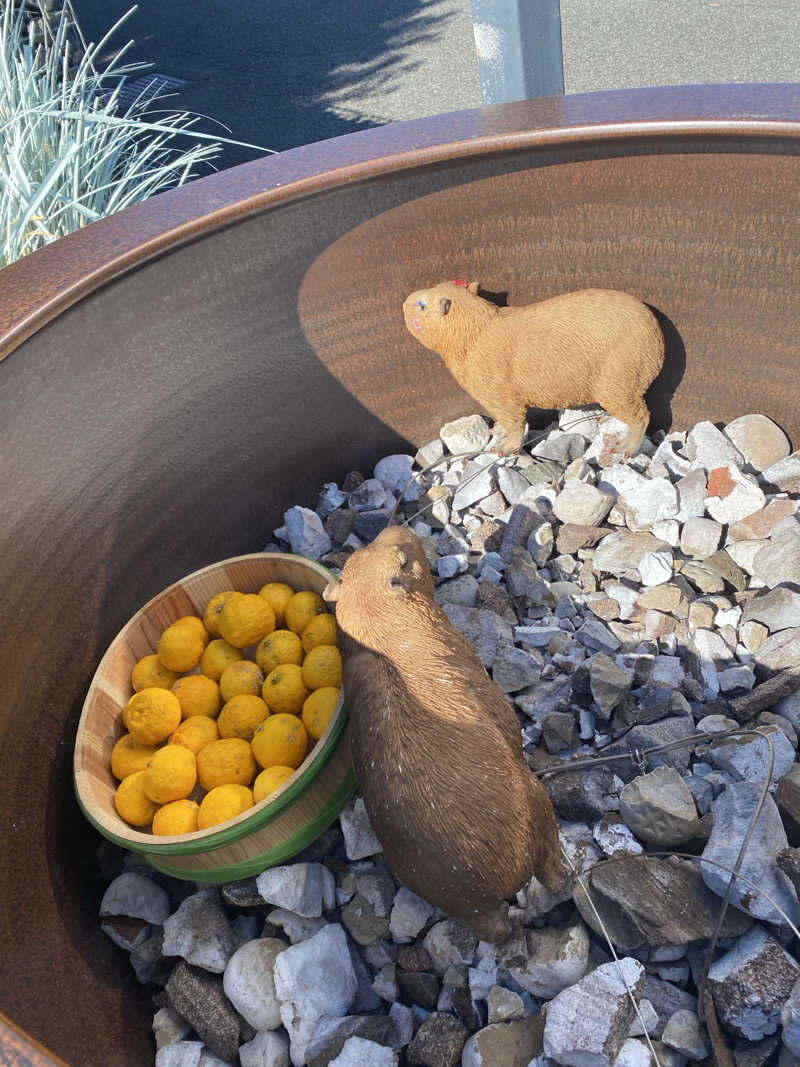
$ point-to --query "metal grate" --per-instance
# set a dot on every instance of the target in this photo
(148, 86)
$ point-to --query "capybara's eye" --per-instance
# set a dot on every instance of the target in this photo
(421, 303)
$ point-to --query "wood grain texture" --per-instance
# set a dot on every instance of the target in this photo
(40, 287)
(101, 726)
(710, 240)
(178, 374)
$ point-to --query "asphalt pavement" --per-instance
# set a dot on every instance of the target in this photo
(280, 73)
(624, 44)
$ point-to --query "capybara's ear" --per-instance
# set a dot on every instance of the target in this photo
(444, 305)
(473, 288)
(398, 584)
(407, 574)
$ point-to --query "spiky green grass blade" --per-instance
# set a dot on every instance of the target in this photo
(70, 153)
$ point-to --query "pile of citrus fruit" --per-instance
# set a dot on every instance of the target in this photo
(227, 709)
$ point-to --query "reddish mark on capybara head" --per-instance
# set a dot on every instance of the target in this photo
(720, 483)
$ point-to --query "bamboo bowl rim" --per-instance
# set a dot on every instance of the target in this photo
(103, 816)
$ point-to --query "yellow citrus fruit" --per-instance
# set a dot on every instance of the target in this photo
(320, 631)
(151, 715)
(181, 645)
(323, 667)
(195, 733)
(302, 608)
(245, 619)
(228, 761)
(270, 779)
(217, 656)
(223, 802)
(281, 646)
(280, 740)
(318, 710)
(214, 607)
(171, 774)
(197, 695)
(151, 673)
(242, 677)
(241, 715)
(129, 756)
(198, 624)
(284, 689)
(177, 817)
(132, 803)
(277, 595)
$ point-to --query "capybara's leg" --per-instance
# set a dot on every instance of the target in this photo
(509, 430)
(550, 868)
(492, 926)
(635, 414)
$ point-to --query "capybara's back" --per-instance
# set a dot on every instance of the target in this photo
(436, 745)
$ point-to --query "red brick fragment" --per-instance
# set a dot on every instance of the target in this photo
(720, 483)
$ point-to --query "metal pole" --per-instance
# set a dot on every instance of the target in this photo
(519, 49)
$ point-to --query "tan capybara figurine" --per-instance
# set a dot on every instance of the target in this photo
(594, 346)
(436, 746)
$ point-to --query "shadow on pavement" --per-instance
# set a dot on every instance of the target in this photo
(278, 73)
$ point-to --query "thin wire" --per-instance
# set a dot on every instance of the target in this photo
(696, 859)
(536, 436)
(735, 871)
(636, 757)
(724, 867)
(633, 756)
(464, 482)
(424, 470)
(628, 989)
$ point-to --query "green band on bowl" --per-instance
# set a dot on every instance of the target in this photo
(288, 848)
(242, 829)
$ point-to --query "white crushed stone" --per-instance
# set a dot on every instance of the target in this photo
(541, 561)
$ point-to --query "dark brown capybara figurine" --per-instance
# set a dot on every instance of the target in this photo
(594, 346)
(436, 745)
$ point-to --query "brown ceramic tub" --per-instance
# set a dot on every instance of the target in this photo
(175, 376)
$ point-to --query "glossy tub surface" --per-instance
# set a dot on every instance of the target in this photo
(175, 376)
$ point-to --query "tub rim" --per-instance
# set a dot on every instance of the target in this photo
(47, 282)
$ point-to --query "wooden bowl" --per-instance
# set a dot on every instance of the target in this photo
(267, 834)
